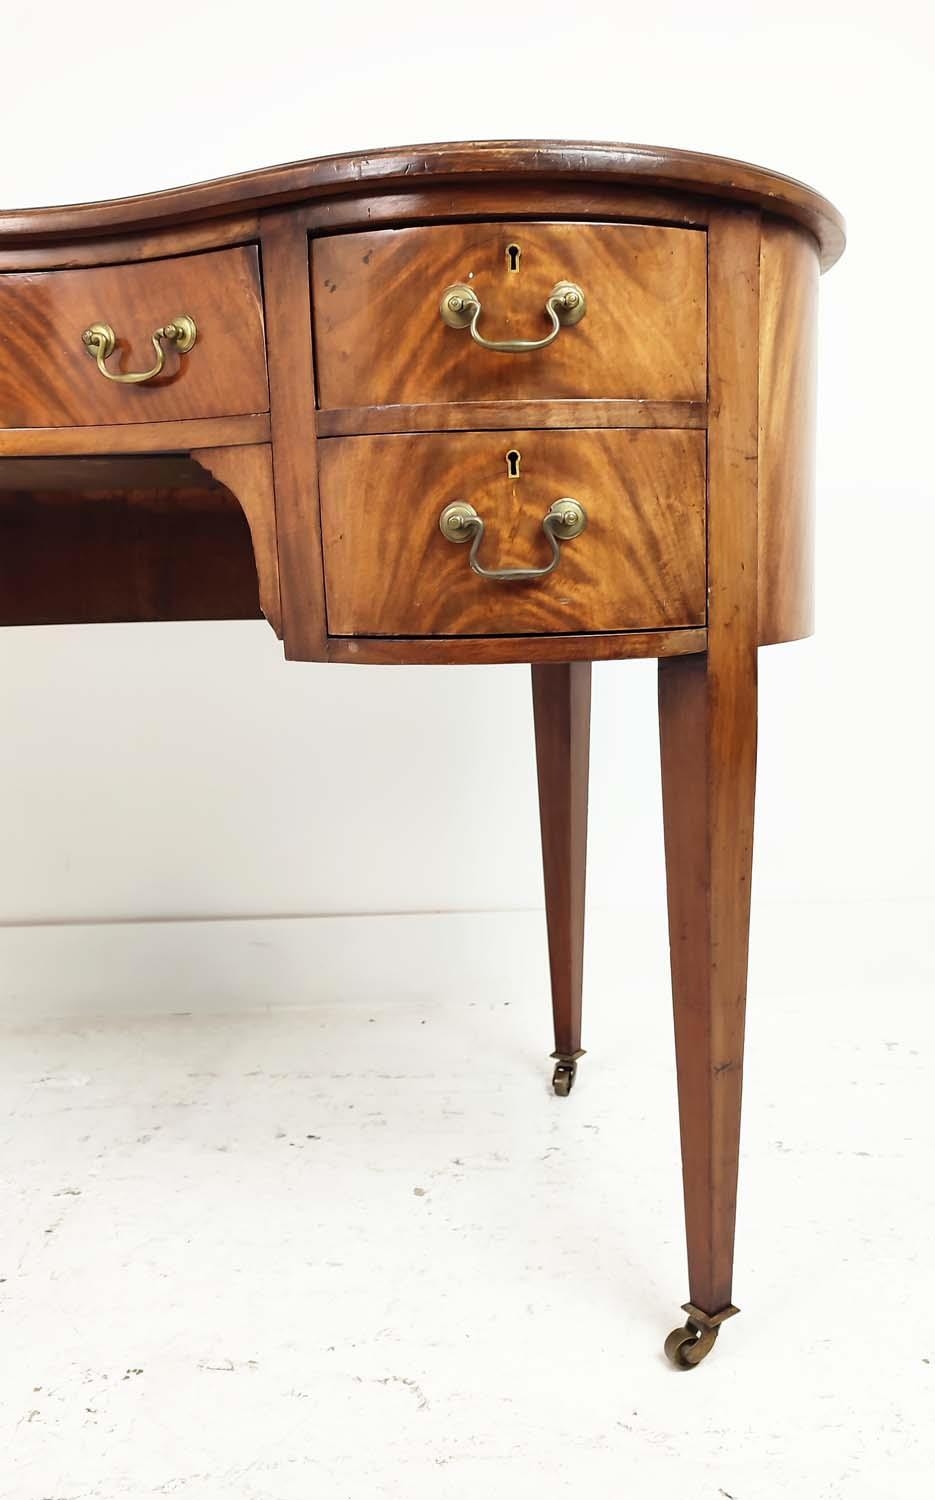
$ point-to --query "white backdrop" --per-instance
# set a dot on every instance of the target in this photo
(185, 771)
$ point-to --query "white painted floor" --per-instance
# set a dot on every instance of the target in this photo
(360, 1251)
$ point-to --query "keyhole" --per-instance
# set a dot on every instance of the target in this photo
(513, 253)
(512, 463)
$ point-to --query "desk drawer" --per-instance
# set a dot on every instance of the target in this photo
(48, 378)
(381, 340)
(639, 564)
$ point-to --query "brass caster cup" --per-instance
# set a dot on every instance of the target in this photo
(566, 1068)
(686, 1347)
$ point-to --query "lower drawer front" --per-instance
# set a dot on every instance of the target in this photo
(639, 564)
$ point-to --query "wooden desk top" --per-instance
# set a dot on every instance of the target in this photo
(459, 162)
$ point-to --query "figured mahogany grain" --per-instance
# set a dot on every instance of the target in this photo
(379, 338)
(48, 379)
(639, 565)
(788, 399)
(707, 718)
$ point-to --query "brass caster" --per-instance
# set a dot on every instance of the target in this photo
(686, 1347)
(563, 1078)
(566, 1067)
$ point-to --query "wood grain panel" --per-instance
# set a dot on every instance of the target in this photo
(292, 385)
(134, 437)
(248, 474)
(114, 472)
(489, 416)
(85, 555)
(446, 651)
(183, 239)
(640, 564)
(509, 200)
(788, 397)
(380, 340)
(48, 379)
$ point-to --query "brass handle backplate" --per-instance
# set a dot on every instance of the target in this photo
(100, 342)
(459, 522)
(460, 307)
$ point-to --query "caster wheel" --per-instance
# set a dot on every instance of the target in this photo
(686, 1347)
(563, 1078)
(566, 1068)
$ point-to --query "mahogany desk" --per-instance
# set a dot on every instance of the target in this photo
(491, 402)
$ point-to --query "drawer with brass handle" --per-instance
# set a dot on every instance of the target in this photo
(521, 311)
(567, 532)
(145, 342)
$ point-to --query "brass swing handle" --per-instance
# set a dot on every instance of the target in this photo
(460, 307)
(100, 342)
(459, 522)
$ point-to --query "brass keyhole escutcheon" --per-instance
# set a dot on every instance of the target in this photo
(513, 462)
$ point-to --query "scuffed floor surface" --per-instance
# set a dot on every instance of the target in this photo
(352, 1253)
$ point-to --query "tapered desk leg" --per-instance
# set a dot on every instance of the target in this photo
(707, 717)
(561, 698)
(708, 743)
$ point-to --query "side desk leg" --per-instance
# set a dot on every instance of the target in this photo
(707, 721)
(708, 743)
(561, 699)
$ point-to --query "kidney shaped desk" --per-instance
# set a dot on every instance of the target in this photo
(490, 402)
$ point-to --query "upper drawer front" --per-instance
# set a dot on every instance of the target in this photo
(48, 378)
(639, 564)
(380, 339)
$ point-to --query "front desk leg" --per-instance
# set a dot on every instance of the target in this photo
(707, 718)
(707, 725)
(561, 699)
